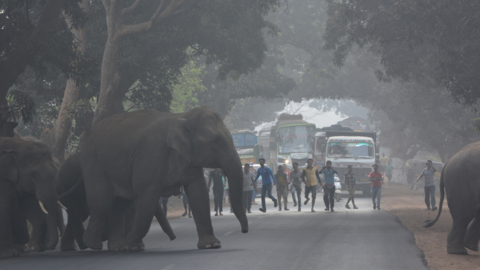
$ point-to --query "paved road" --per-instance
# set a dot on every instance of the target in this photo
(353, 239)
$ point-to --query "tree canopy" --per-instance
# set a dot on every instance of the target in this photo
(427, 42)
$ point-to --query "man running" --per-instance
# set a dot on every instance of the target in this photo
(309, 177)
(351, 183)
(282, 188)
(267, 177)
(216, 176)
(376, 179)
(296, 187)
(329, 188)
(429, 188)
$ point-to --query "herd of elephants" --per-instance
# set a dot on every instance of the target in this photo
(128, 161)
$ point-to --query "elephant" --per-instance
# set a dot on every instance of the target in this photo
(71, 191)
(141, 155)
(461, 183)
(27, 172)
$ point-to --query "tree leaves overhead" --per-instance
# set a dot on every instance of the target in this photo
(429, 42)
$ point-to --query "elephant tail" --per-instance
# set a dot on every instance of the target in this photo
(442, 197)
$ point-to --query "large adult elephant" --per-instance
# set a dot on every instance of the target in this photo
(142, 155)
(72, 194)
(27, 173)
(460, 181)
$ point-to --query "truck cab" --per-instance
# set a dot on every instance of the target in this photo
(352, 148)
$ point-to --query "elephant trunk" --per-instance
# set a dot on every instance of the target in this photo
(52, 225)
(47, 199)
(235, 182)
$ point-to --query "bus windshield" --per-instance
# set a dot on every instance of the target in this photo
(296, 139)
(350, 150)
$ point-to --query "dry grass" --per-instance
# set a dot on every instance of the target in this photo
(409, 206)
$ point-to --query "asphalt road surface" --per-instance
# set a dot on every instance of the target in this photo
(346, 239)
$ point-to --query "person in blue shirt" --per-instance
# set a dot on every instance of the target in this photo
(267, 177)
(329, 188)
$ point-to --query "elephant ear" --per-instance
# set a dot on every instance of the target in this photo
(178, 138)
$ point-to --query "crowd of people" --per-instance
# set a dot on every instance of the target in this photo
(291, 181)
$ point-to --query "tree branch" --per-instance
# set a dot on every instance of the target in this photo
(106, 4)
(132, 7)
(159, 15)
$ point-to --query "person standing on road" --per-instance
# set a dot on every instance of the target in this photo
(267, 177)
(226, 192)
(429, 188)
(248, 178)
(309, 177)
(296, 187)
(186, 205)
(216, 176)
(376, 179)
(329, 188)
(351, 183)
(282, 188)
(389, 172)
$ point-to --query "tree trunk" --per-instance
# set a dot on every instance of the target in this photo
(64, 122)
(70, 97)
(110, 78)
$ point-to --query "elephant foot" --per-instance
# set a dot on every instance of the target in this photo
(21, 249)
(69, 247)
(82, 246)
(209, 242)
(137, 247)
(8, 253)
(92, 243)
(116, 247)
(459, 250)
(36, 247)
(471, 246)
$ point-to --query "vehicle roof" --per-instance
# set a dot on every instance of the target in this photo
(350, 138)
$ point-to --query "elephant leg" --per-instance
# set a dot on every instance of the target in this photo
(78, 231)
(116, 225)
(473, 232)
(39, 225)
(68, 239)
(200, 203)
(455, 239)
(163, 221)
(100, 198)
(19, 227)
(145, 207)
(6, 235)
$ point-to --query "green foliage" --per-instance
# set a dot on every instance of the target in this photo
(189, 85)
(20, 107)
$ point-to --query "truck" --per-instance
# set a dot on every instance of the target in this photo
(246, 144)
(358, 149)
(321, 143)
(291, 140)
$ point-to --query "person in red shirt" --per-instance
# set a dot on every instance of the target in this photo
(376, 178)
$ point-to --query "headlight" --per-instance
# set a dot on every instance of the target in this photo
(287, 161)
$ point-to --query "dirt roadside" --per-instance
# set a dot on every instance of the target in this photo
(409, 206)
